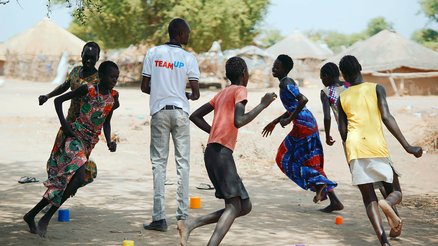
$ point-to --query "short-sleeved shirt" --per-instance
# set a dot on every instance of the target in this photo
(169, 66)
(223, 131)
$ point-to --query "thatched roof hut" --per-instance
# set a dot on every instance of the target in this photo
(35, 53)
(305, 53)
(45, 38)
(387, 58)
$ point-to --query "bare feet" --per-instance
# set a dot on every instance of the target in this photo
(393, 220)
(31, 223)
(42, 227)
(332, 207)
(319, 193)
(182, 226)
(396, 232)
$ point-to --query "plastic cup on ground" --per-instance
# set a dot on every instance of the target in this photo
(64, 215)
(128, 243)
(338, 220)
(195, 202)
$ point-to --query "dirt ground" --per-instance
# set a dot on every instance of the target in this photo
(115, 206)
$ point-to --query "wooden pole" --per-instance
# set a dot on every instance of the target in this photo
(394, 87)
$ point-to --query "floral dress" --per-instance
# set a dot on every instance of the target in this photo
(300, 155)
(74, 81)
(332, 93)
(70, 153)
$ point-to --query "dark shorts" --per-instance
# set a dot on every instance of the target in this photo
(222, 172)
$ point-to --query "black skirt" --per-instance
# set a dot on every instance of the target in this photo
(222, 172)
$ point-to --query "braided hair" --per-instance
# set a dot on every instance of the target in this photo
(350, 67)
(234, 68)
(287, 62)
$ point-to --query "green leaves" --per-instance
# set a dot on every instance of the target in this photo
(119, 23)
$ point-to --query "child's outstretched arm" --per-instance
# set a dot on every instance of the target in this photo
(81, 91)
(327, 118)
(270, 127)
(241, 118)
(112, 146)
(392, 125)
(342, 124)
(57, 91)
(197, 117)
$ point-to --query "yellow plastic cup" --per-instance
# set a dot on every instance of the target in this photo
(128, 243)
(195, 202)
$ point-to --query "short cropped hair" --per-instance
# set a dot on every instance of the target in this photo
(105, 67)
(350, 66)
(330, 69)
(234, 68)
(93, 45)
(286, 61)
(175, 27)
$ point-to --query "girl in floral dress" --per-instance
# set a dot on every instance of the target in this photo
(68, 167)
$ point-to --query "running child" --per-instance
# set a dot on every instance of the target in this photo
(68, 167)
(300, 155)
(229, 115)
(362, 109)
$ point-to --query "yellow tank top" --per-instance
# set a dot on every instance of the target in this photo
(365, 134)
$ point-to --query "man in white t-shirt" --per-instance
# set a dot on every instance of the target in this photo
(166, 70)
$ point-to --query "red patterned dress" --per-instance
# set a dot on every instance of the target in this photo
(70, 153)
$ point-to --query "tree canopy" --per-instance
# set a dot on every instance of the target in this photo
(119, 23)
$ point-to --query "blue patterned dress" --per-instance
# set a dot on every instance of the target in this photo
(300, 155)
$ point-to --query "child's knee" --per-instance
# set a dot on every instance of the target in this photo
(246, 208)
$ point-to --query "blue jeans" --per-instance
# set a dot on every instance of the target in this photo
(164, 123)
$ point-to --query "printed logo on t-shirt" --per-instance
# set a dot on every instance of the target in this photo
(169, 65)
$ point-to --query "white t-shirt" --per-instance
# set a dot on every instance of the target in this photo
(169, 66)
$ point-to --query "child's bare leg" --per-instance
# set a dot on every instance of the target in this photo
(233, 208)
(370, 201)
(319, 193)
(29, 217)
(214, 217)
(393, 196)
(335, 204)
(76, 182)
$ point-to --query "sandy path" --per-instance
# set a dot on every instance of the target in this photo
(119, 201)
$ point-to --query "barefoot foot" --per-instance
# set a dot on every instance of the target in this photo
(393, 220)
(332, 207)
(319, 193)
(396, 232)
(183, 231)
(31, 223)
(42, 227)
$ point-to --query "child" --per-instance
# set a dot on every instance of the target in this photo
(362, 108)
(229, 115)
(329, 75)
(300, 155)
(67, 166)
(79, 75)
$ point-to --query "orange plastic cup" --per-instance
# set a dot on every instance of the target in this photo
(195, 202)
(339, 220)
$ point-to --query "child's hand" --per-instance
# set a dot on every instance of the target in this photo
(329, 140)
(268, 129)
(112, 146)
(415, 150)
(268, 98)
(42, 99)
